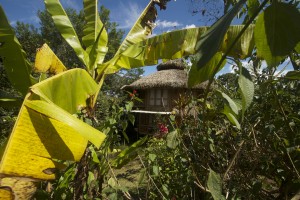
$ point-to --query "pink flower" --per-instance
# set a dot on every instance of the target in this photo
(163, 128)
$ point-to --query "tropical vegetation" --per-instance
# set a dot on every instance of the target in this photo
(243, 142)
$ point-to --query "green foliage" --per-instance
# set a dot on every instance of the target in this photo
(203, 156)
(274, 47)
(17, 67)
(214, 184)
(212, 39)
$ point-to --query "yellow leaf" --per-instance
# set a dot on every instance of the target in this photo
(5, 193)
(46, 60)
(46, 132)
(17, 188)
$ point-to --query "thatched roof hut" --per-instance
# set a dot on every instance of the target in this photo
(159, 92)
(170, 74)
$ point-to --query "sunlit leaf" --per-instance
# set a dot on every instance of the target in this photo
(46, 60)
(230, 102)
(172, 139)
(246, 87)
(244, 46)
(14, 58)
(64, 25)
(231, 116)
(95, 36)
(140, 31)
(273, 30)
(46, 122)
(149, 51)
(214, 184)
(206, 72)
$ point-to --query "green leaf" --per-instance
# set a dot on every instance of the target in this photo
(95, 36)
(149, 51)
(131, 118)
(297, 48)
(172, 139)
(112, 182)
(142, 176)
(252, 6)
(211, 41)
(206, 72)
(277, 32)
(230, 102)
(152, 157)
(91, 177)
(14, 59)
(246, 87)
(231, 116)
(128, 154)
(155, 170)
(140, 31)
(67, 91)
(65, 27)
(293, 75)
(94, 155)
(214, 184)
(244, 46)
(8, 100)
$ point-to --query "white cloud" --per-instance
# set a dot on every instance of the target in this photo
(167, 24)
(190, 26)
(127, 17)
(71, 4)
(31, 20)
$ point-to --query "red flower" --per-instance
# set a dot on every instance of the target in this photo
(134, 92)
(163, 128)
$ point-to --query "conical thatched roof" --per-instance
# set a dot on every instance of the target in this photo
(170, 74)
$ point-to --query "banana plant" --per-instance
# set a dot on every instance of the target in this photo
(46, 119)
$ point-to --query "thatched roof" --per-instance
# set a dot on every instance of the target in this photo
(169, 75)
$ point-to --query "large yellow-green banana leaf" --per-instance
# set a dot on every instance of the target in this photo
(46, 130)
(14, 58)
(64, 25)
(95, 36)
(140, 31)
(149, 51)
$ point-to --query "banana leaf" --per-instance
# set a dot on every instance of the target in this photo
(95, 36)
(140, 31)
(45, 124)
(17, 188)
(142, 28)
(149, 51)
(14, 59)
(46, 60)
(63, 24)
